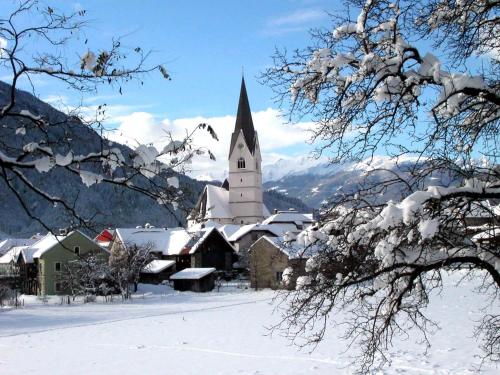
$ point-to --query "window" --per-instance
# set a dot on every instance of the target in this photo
(57, 286)
(279, 276)
(241, 163)
(57, 266)
(77, 250)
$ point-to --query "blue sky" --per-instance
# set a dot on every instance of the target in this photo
(204, 45)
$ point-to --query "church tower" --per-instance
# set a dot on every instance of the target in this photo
(245, 176)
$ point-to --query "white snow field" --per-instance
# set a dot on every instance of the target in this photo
(213, 333)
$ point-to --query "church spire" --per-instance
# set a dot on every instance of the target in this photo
(244, 121)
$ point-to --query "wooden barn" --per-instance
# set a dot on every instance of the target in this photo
(157, 271)
(194, 279)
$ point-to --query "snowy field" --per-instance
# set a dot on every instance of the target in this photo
(213, 333)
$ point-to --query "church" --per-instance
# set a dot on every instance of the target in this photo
(239, 199)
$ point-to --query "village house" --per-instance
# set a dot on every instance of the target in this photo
(202, 248)
(40, 266)
(246, 235)
(271, 257)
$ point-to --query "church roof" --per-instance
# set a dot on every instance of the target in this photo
(244, 121)
(213, 204)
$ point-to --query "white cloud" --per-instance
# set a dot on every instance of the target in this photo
(274, 136)
(299, 17)
(299, 20)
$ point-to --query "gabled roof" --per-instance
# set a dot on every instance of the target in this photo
(290, 248)
(42, 245)
(158, 265)
(192, 273)
(45, 244)
(244, 122)
(9, 243)
(105, 236)
(169, 241)
(228, 230)
(273, 229)
(12, 255)
(217, 203)
(289, 217)
(199, 237)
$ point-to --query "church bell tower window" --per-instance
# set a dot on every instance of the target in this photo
(241, 163)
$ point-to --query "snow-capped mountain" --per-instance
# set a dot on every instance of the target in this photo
(292, 166)
(316, 184)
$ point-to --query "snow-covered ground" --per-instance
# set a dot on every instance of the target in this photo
(213, 333)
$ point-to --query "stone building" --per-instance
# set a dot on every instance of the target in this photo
(271, 257)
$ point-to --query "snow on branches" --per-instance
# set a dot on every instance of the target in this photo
(377, 77)
(401, 78)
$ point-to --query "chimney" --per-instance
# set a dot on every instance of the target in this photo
(275, 211)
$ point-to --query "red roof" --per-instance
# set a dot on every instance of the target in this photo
(104, 236)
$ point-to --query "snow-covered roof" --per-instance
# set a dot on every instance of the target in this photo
(27, 253)
(289, 217)
(41, 246)
(192, 273)
(12, 255)
(169, 241)
(206, 224)
(9, 243)
(291, 248)
(45, 244)
(158, 265)
(274, 229)
(217, 203)
(489, 234)
(484, 209)
(228, 230)
(199, 237)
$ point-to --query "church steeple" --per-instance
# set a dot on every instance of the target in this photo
(244, 121)
(245, 176)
